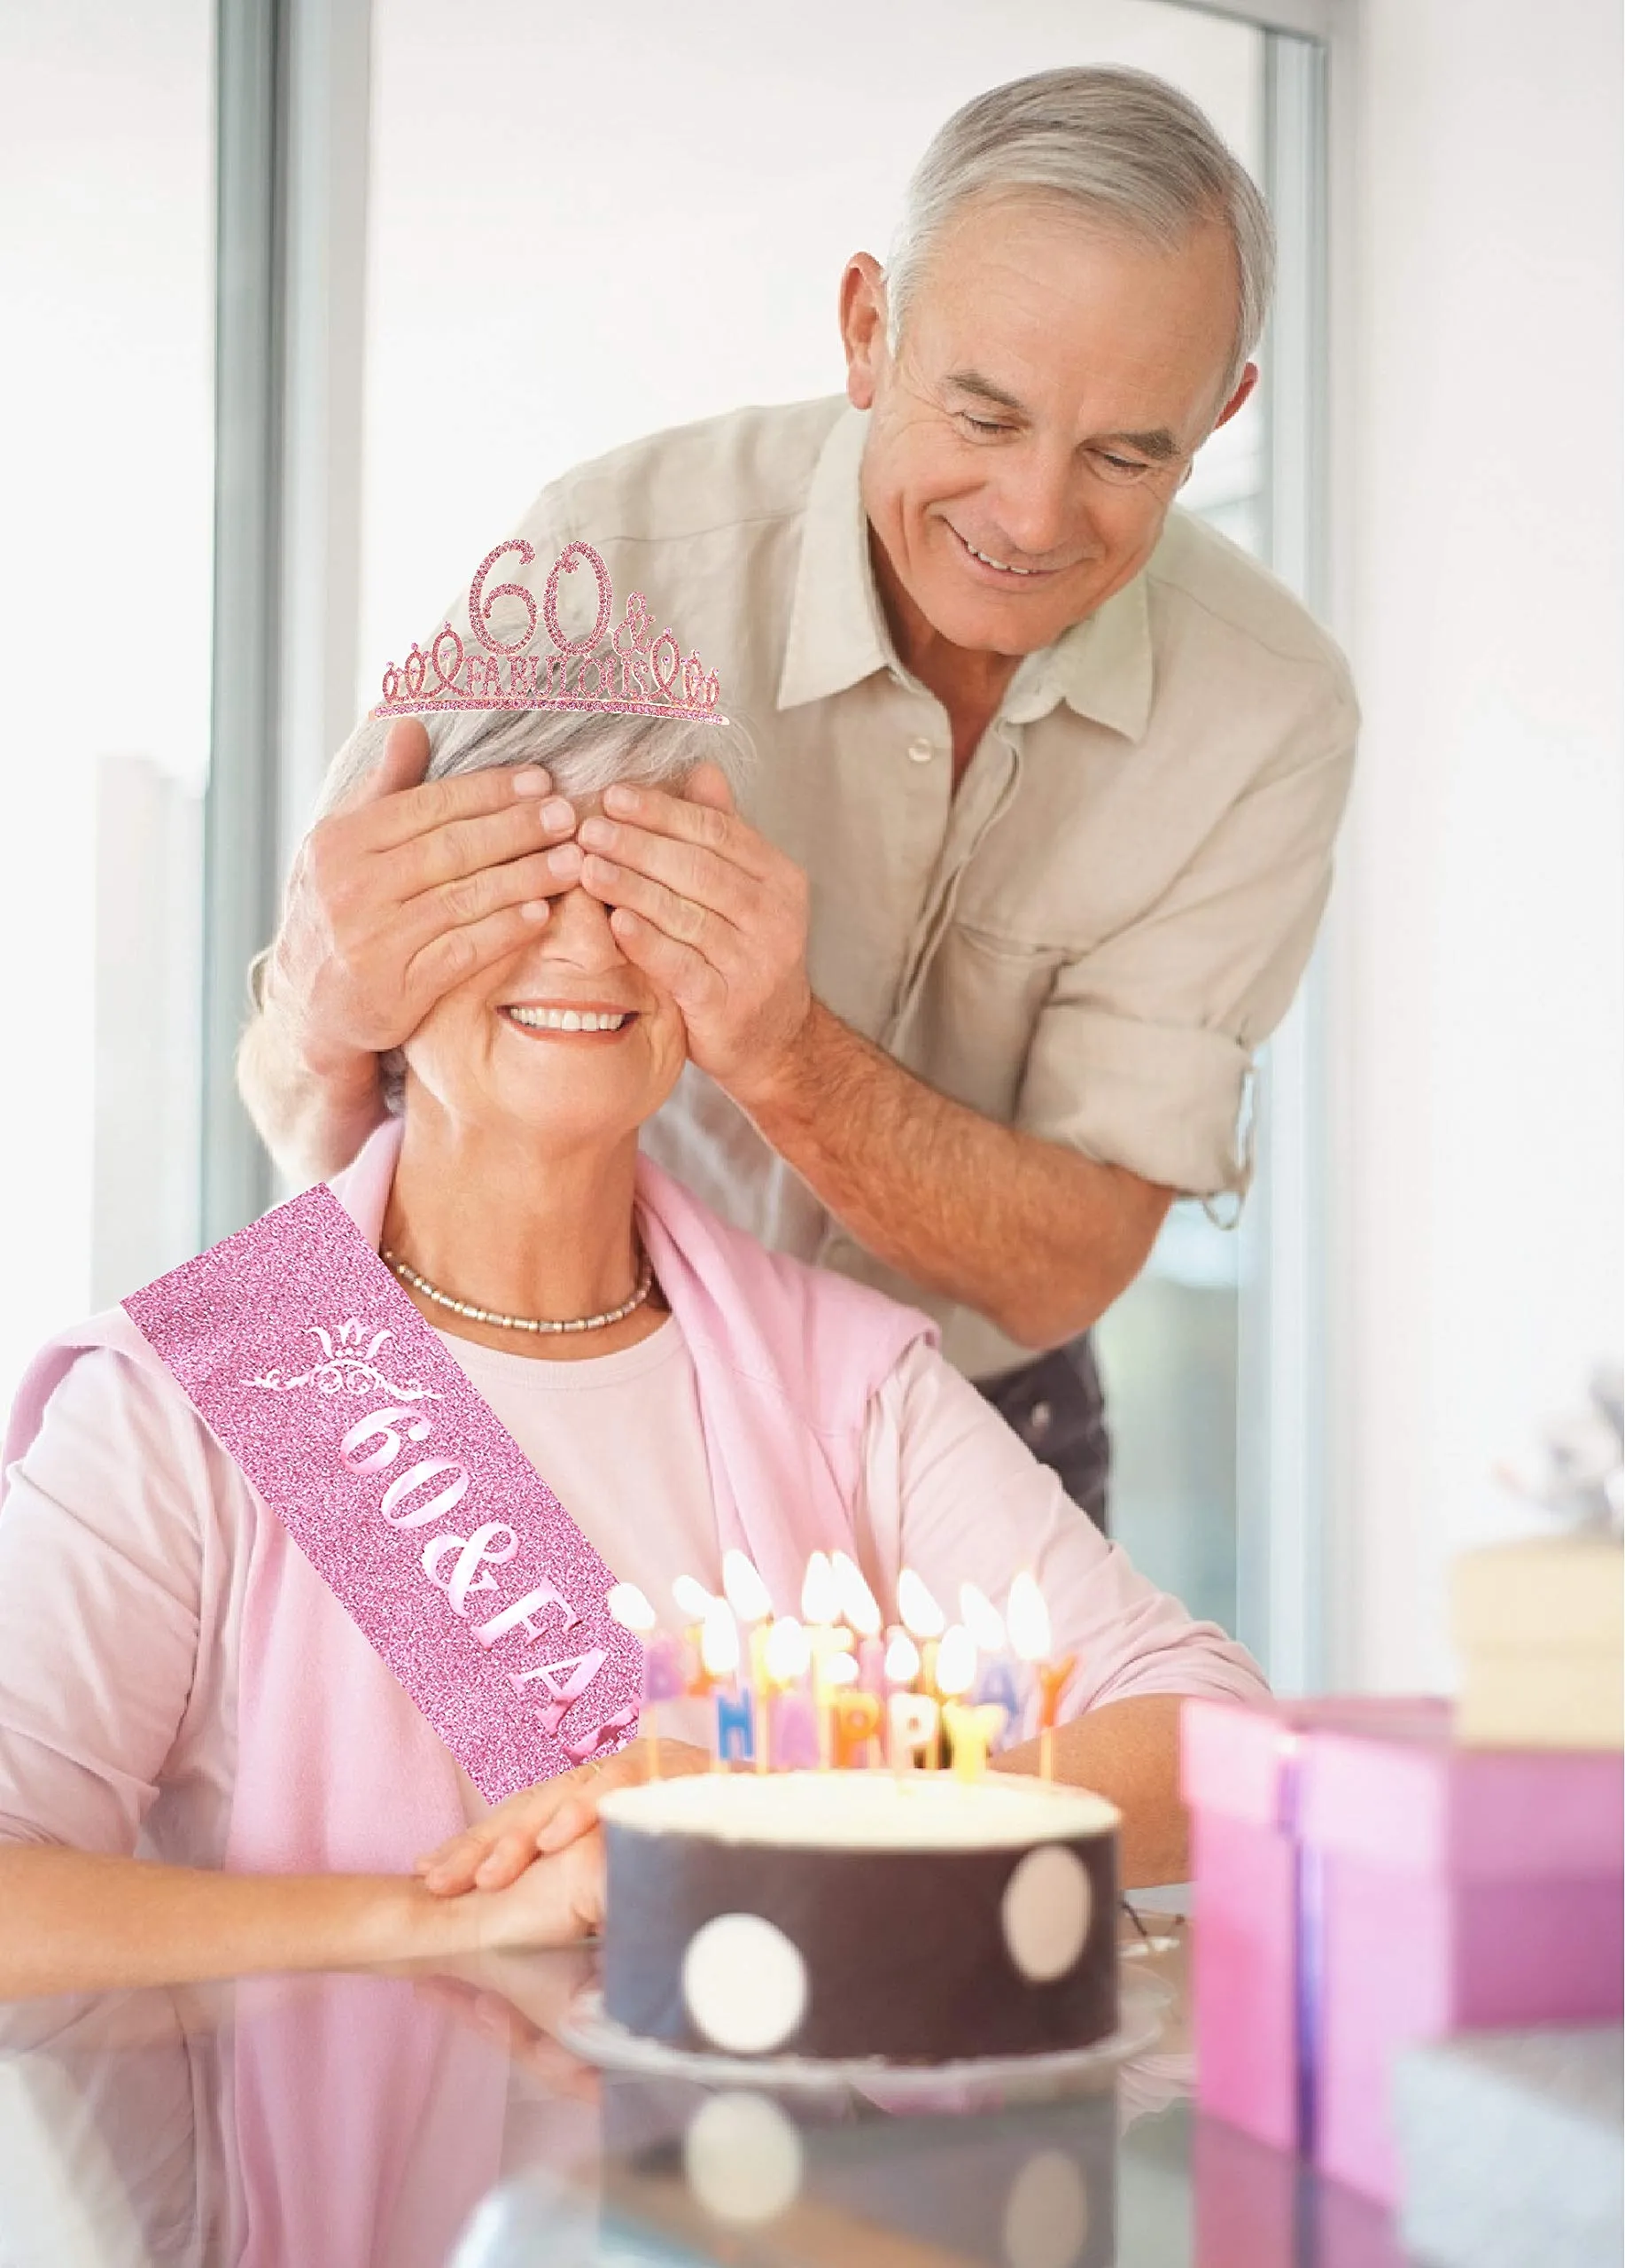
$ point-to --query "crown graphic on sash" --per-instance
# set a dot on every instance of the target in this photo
(630, 673)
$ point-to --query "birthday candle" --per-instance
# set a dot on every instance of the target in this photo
(821, 1603)
(996, 1677)
(972, 1726)
(857, 1722)
(626, 1604)
(911, 1721)
(924, 1621)
(694, 1603)
(747, 1594)
(719, 1657)
(784, 1724)
(1028, 1618)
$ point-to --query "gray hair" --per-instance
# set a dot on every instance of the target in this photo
(584, 751)
(1121, 146)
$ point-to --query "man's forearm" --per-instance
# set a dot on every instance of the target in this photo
(312, 1119)
(1128, 1751)
(1036, 1237)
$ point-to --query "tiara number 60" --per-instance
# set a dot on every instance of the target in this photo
(481, 603)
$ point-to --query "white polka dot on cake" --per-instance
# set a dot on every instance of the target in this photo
(1045, 1912)
(744, 1983)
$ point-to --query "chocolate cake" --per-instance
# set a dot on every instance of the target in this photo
(916, 1918)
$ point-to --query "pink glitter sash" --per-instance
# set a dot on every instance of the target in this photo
(455, 1560)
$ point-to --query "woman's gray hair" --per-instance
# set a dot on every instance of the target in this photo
(1123, 147)
(585, 751)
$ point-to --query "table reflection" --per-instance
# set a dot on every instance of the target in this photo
(419, 2121)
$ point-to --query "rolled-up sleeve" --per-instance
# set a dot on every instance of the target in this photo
(1142, 1049)
(950, 1491)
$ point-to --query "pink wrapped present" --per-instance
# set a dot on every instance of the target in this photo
(1362, 1884)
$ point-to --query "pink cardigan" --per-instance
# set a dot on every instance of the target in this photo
(785, 1360)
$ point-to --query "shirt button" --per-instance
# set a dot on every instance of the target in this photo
(920, 752)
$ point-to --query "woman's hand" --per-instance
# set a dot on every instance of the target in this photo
(557, 1902)
(535, 1823)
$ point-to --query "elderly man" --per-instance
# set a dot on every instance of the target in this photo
(1049, 779)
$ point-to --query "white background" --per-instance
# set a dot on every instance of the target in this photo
(1479, 1171)
(583, 234)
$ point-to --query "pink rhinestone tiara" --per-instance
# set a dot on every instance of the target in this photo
(635, 673)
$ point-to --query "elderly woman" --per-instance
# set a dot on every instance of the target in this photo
(666, 1377)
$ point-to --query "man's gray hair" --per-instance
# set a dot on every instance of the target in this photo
(1123, 147)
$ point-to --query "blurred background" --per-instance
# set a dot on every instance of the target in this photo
(304, 301)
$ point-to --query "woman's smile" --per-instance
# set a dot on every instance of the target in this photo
(576, 1020)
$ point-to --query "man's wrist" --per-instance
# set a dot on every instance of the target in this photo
(349, 1074)
(772, 1082)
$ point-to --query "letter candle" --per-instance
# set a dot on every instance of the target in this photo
(996, 1679)
(720, 1655)
(785, 1656)
(910, 1717)
(1027, 1619)
(693, 1604)
(820, 1604)
(663, 1678)
(971, 1726)
(861, 1609)
(925, 1622)
(858, 1717)
(747, 1594)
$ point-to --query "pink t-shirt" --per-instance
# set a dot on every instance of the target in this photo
(124, 1557)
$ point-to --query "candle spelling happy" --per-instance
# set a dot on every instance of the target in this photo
(996, 1675)
(971, 1726)
(747, 1594)
(1027, 1619)
(786, 1657)
(720, 1655)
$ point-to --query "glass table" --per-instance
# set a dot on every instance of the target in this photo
(417, 2120)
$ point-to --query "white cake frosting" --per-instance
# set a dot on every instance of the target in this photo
(862, 1810)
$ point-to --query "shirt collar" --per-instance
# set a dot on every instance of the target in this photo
(1101, 668)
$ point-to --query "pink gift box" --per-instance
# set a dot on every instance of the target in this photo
(1362, 1884)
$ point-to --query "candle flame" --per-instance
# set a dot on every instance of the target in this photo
(922, 1618)
(858, 1601)
(956, 1661)
(719, 1639)
(1027, 1619)
(747, 1593)
(628, 1606)
(902, 1665)
(693, 1598)
(785, 1651)
(982, 1619)
(839, 1669)
(820, 1601)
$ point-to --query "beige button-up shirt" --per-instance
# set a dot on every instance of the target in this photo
(1091, 938)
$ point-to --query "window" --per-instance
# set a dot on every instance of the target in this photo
(107, 277)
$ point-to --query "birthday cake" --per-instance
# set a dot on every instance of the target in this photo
(914, 1917)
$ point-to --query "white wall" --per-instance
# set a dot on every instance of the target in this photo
(1477, 400)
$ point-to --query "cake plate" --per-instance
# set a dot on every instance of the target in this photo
(974, 2083)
